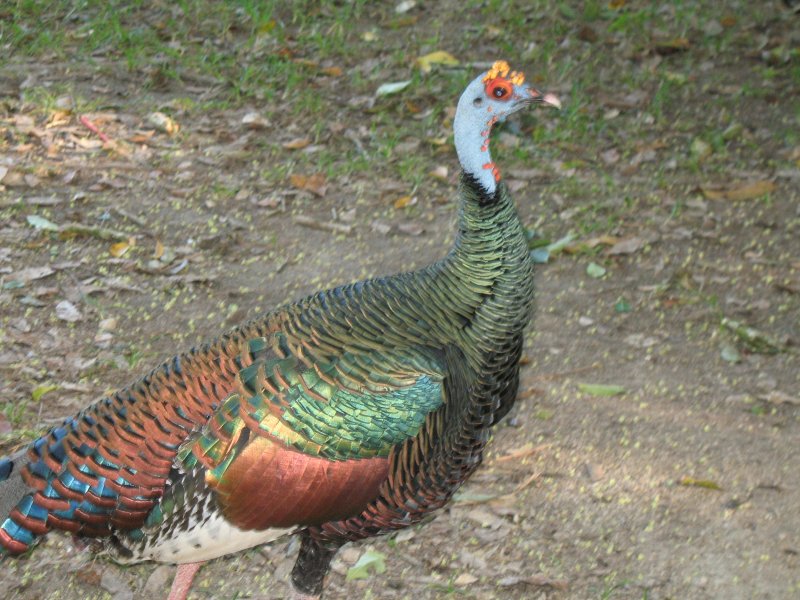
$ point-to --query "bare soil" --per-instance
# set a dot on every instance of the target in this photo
(684, 485)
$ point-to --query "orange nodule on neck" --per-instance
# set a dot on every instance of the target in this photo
(494, 169)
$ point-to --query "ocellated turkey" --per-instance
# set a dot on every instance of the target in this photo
(348, 414)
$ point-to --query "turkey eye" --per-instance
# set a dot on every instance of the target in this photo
(499, 89)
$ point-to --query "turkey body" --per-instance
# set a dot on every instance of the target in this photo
(350, 413)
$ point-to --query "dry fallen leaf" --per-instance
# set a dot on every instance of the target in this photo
(587, 34)
(464, 579)
(332, 71)
(163, 123)
(412, 229)
(679, 44)
(440, 172)
(425, 63)
(405, 201)
(315, 184)
(297, 143)
(312, 223)
(121, 248)
(141, 137)
(520, 453)
(627, 246)
(701, 483)
(381, 227)
(779, 397)
(67, 311)
(747, 191)
(603, 240)
(392, 87)
(253, 120)
(31, 273)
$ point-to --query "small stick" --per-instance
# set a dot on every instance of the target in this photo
(93, 128)
(102, 233)
(132, 218)
(322, 225)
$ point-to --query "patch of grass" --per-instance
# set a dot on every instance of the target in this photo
(242, 45)
(14, 412)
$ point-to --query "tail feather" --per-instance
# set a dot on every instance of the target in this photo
(105, 468)
(14, 539)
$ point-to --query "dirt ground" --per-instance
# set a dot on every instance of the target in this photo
(654, 453)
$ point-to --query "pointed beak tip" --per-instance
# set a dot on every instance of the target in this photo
(552, 100)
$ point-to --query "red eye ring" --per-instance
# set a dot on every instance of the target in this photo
(499, 89)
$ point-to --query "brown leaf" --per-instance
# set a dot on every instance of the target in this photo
(520, 453)
(404, 201)
(413, 107)
(464, 579)
(297, 143)
(58, 118)
(163, 123)
(484, 518)
(121, 248)
(587, 34)
(253, 120)
(412, 229)
(381, 227)
(333, 71)
(779, 397)
(141, 137)
(323, 225)
(626, 246)
(88, 575)
(581, 246)
(747, 191)
(31, 273)
(67, 311)
(665, 47)
(607, 240)
(315, 184)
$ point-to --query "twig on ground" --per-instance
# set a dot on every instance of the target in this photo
(86, 122)
(322, 225)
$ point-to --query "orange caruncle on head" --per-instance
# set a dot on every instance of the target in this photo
(501, 69)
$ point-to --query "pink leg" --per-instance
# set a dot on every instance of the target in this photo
(183, 581)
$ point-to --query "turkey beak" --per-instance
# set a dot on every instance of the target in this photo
(548, 99)
(551, 100)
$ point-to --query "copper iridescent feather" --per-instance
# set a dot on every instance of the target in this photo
(350, 413)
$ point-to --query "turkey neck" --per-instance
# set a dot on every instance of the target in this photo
(476, 300)
(486, 280)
